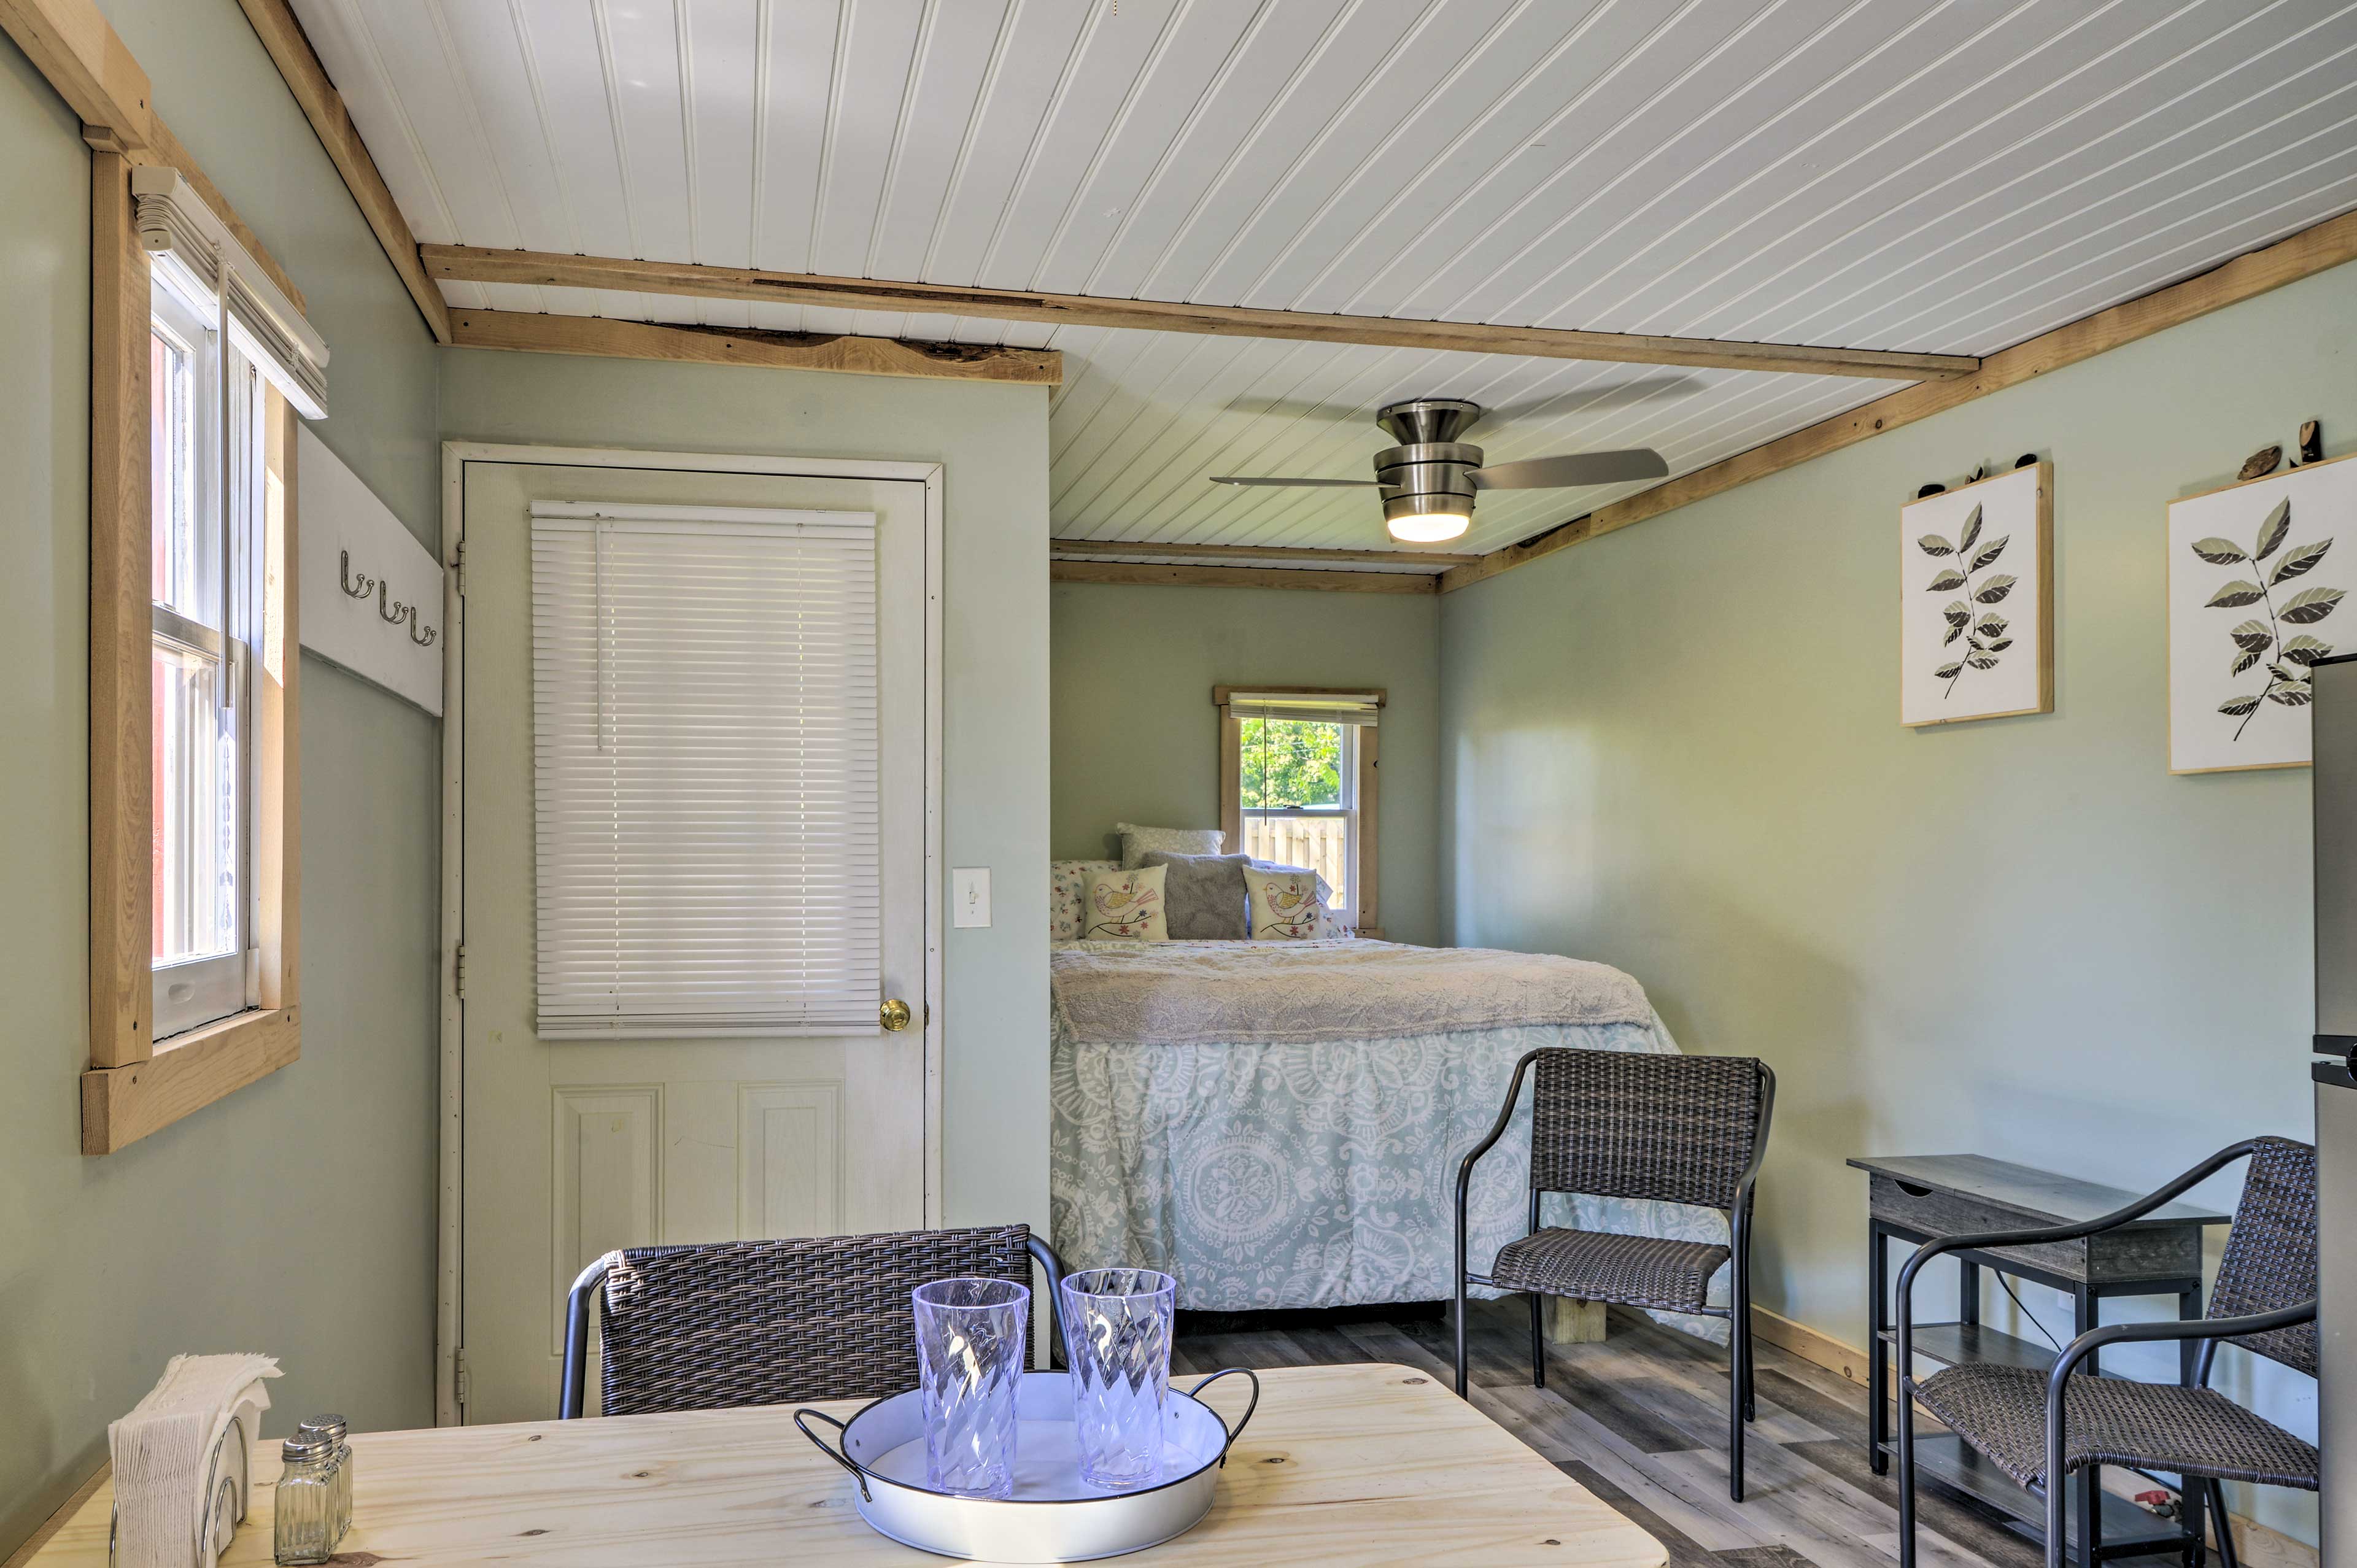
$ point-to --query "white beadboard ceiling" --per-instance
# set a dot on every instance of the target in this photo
(1951, 176)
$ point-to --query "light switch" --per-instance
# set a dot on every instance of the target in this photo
(970, 896)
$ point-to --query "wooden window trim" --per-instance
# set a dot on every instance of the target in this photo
(132, 1087)
(1366, 916)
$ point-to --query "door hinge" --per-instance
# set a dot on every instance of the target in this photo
(458, 567)
(462, 1387)
(458, 972)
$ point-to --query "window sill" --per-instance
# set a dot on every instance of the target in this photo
(121, 1105)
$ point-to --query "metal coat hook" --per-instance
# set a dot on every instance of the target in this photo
(429, 633)
(344, 573)
(400, 611)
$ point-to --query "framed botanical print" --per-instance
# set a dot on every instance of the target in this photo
(2253, 585)
(1977, 601)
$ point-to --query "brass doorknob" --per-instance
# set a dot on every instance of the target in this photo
(893, 1014)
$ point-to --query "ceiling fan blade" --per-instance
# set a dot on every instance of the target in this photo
(1572, 468)
(1590, 400)
(1252, 479)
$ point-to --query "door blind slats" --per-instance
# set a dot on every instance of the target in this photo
(706, 835)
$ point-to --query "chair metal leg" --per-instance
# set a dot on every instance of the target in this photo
(1739, 1352)
(2222, 1522)
(1538, 1339)
(1734, 1415)
(2059, 1483)
(1905, 1444)
(1460, 1334)
(1751, 1353)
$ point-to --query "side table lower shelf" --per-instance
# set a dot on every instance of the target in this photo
(2126, 1530)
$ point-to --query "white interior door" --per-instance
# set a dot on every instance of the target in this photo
(573, 1147)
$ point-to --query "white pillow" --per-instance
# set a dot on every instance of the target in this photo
(1137, 842)
(1125, 907)
(1285, 906)
(1067, 882)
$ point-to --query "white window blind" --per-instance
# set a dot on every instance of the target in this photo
(707, 839)
(196, 254)
(1313, 707)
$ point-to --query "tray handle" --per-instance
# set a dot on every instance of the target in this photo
(1238, 1430)
(835, 1454)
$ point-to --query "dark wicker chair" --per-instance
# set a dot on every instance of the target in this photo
(2035, 1424)
(1617, 1124)
(742, 1323)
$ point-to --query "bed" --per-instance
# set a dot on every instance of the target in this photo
(1278, 1123)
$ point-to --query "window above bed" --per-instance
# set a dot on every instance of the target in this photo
(1297, 784)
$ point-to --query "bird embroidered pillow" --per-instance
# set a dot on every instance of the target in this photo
(1124, 906)
(1285, 904)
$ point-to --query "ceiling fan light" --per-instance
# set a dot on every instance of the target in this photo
(1428, 527)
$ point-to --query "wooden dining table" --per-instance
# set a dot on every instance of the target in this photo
(1345, 1466)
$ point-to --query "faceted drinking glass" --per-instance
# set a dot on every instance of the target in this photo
(1117, 1325)
(970, 1335)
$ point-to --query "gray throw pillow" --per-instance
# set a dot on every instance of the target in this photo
(1203, 896)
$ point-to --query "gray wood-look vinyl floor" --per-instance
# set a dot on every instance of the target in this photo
(1641, 1421)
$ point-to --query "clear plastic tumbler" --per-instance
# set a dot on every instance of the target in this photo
(1117, 1327)
(970, 1337)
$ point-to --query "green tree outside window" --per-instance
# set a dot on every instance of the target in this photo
(1291, 762)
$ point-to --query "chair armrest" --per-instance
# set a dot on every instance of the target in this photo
(1986, 1238)
(1750, 1177)
(1497, 1131)
(573, 1387)
(1053, 1267)
(1465, 1169)
(2186, 1328)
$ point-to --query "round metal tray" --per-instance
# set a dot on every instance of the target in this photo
(1054, 1516)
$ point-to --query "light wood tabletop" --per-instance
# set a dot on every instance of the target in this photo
(1342, 1466)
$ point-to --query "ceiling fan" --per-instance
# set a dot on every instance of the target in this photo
(1428, 480)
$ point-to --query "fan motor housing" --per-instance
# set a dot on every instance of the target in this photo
(1427, 472)
(1427, 477)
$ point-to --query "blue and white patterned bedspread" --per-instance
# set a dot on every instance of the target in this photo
(1313, 1175)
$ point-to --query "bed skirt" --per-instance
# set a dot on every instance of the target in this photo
(1267, 1176)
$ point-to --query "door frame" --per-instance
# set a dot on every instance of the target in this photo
(448, 1324)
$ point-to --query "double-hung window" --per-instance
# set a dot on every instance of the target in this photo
(205, 532)
(202, 362)
(1297, 766)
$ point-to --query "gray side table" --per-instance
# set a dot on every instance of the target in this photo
(1917, 1197)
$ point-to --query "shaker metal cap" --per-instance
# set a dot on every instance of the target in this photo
(306, 1444)
(333, 1425)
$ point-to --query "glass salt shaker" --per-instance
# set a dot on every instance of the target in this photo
(303, 1521)
(333, 1428)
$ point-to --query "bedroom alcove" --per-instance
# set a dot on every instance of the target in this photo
(393, 352)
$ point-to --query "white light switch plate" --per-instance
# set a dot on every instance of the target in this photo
(970, 896)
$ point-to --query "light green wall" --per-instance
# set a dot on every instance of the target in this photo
(992, 442)
(295, 1216)
(1135, 738)
(1676, 749)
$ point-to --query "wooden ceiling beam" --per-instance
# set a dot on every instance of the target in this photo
(1260, 555)
(2304, 254)
(1142, 573)
(298, 64)
(466, 263)
(71, 44)
(89, 66)
(601, 336)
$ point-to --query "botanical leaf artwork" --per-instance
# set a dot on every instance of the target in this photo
(2259, 643)
(1973, 602)
(1970, 618)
